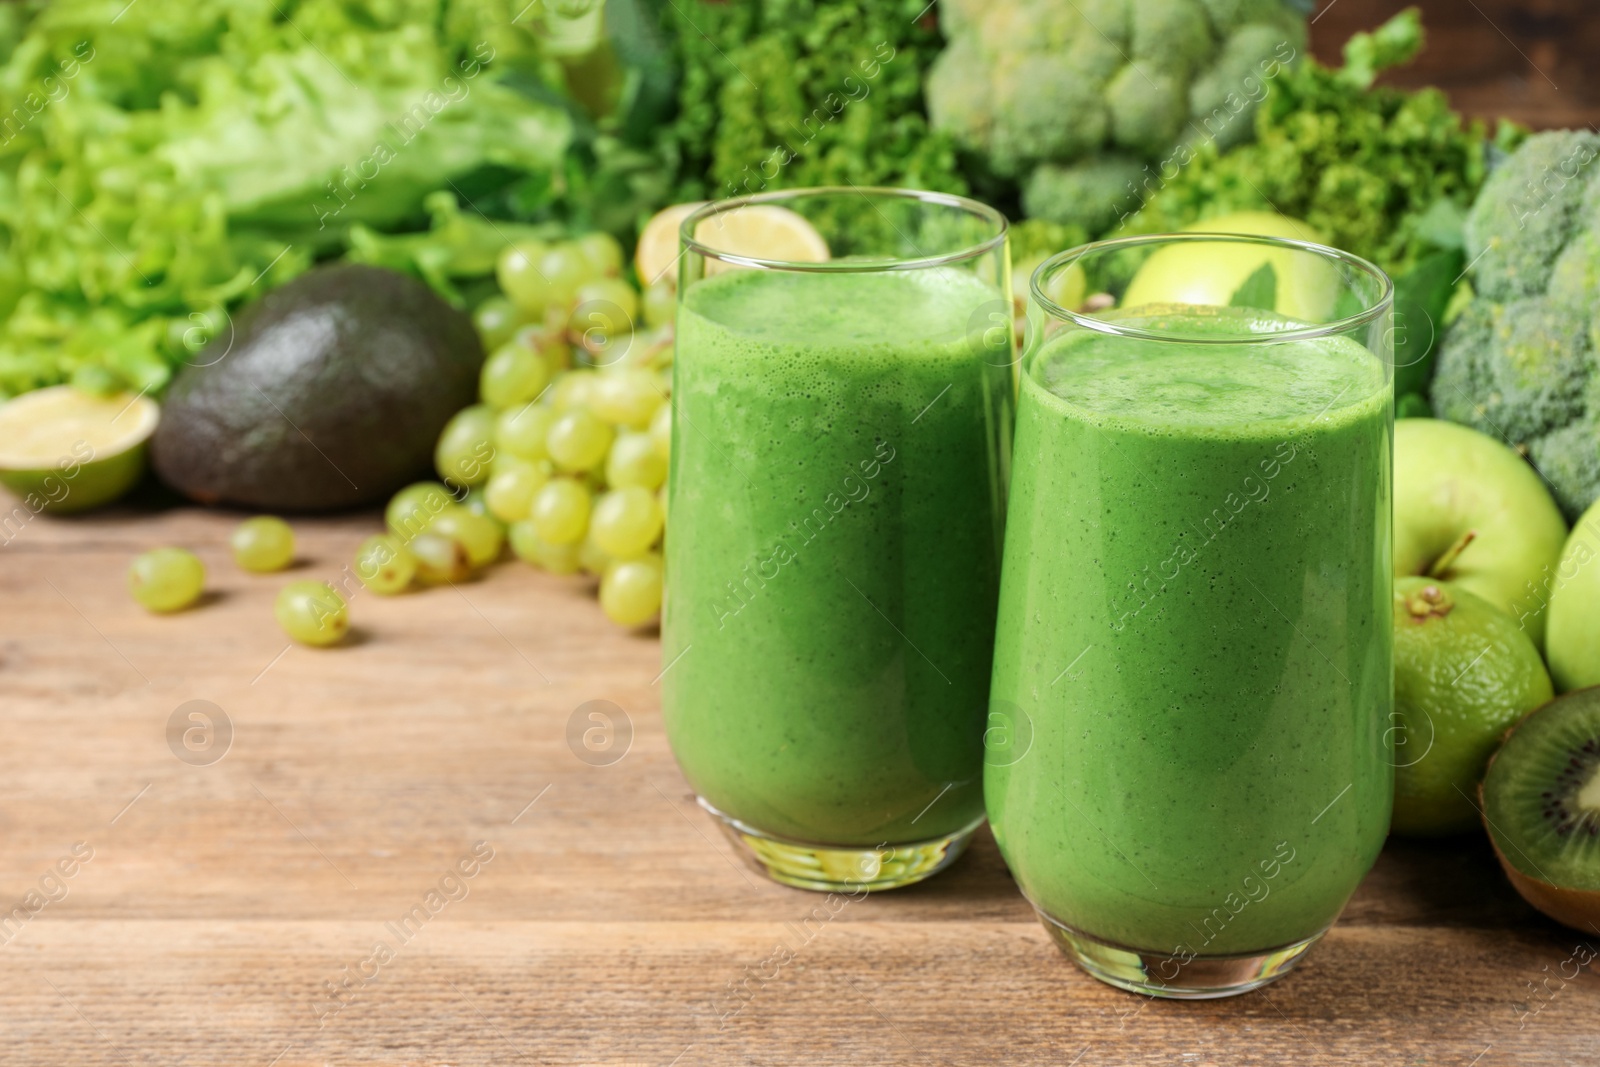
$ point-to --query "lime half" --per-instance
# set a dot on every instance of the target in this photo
(62, 450)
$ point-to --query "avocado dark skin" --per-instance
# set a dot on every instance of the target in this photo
(331, 394)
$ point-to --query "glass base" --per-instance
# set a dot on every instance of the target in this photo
(848, 869)
(1163, 974)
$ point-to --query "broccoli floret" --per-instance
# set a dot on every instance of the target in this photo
(960, 93)
(1528, 211)
(1148, 109)
(1172, 36)
(1039, 132)
(1091, 195)
(1516, 370)
(1539, 360)
(1569, 459)
(1575, 279)
(1527, 368)
(1228, 15)
(1223, 99)
(1026, 83)
(1461, 380)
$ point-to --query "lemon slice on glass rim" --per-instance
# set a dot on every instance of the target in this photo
(759, 231)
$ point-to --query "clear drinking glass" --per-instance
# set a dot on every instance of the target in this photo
(1188, 762)
(840, 447)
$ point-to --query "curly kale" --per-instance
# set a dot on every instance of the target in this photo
(792, 93)
(1523, 361)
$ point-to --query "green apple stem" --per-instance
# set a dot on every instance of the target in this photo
(1446, 561)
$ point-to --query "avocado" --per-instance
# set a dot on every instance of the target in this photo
(328, 393)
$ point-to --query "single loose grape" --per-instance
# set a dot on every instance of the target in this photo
(660, 302)
(578, 441)
(414, 507)
(521, 431)
(385, 565)
(262, 544)
(480, 535)
(602, 252)
(440, 559)
(511, 490)
(312, 613)
(166, 579)
(497, 320)
(635, 461)
(557, 559)
(626, 522)
(571, 390)
(630, 590)
(560, 512)
(661, 430)
(517, 270)
(627, 397)
(466, 445)
(514, 374)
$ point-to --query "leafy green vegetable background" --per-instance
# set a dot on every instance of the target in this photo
(162, 160)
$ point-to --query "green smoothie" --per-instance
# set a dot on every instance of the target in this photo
(1194, 634)
(840, 446)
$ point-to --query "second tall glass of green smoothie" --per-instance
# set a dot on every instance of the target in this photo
(1189, 767)
(840, 450)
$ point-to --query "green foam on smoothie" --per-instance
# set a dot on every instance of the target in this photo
(1196, 379)
(827, 309)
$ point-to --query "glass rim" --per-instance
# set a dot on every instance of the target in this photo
(1380, 306)
(687, 242)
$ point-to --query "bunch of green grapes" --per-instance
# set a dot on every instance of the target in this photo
(565, 454)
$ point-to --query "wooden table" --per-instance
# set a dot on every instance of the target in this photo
(230, 910)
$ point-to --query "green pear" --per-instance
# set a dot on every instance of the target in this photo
(1470, 511)
(1572, 638)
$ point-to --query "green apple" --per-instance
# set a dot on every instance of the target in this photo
(1572, 639)
(1470, 511)
(1203, 273)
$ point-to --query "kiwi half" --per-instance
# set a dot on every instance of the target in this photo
(1541, 806)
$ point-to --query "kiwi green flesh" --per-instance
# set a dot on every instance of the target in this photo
(1541, 796)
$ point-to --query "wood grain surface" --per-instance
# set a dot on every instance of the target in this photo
(1532, 61)
(229, 912)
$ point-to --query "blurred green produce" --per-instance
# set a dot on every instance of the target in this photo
(782, 94)
(163, 161)
(1521, 361)
(1074, 101)
(1385, 174)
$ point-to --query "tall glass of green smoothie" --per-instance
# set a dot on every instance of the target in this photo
(1188, 760)
(840, 448)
